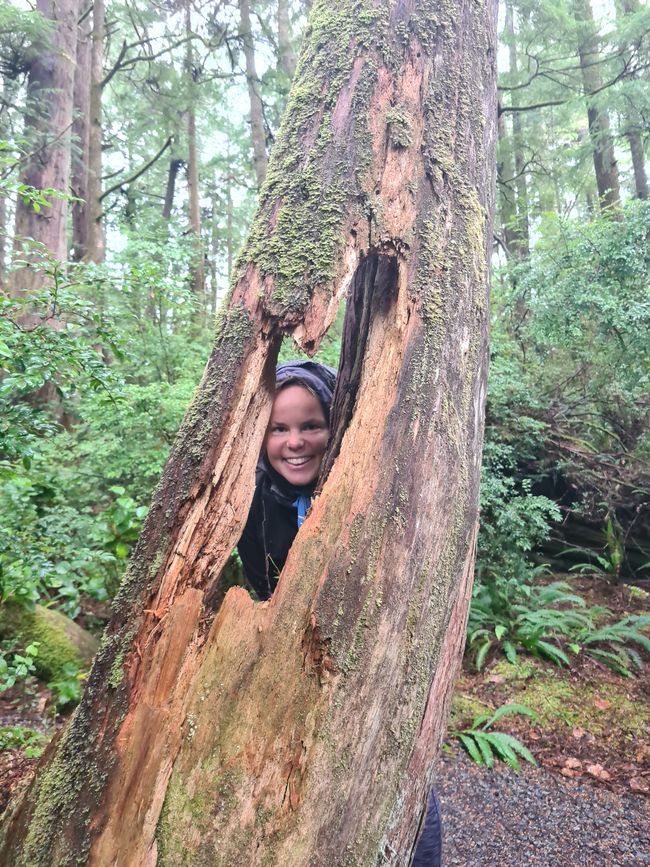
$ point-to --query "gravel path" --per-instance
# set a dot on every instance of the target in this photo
(536, 819)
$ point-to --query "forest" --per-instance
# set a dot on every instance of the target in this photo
(138, 141)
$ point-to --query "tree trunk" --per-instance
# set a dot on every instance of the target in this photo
(80, 135)
(3, 246)
(632, 117)
(257, 110)
(198, 266)
(172, 174)
(96, 249)
(302, 730)
(521, 242)
(506, 192)
(604, 158)
(48, 124)
(286, 55)
(638, 162)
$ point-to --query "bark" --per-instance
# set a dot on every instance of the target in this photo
(172, 174)
(80, 135)
(605, 165)
(286, 54)
(3, 246)
(632, 118)
(638, 162)
(521, 242)
(302, 730)
(198, 274)
(48, 124)
(96, 248)
(505, 175)
(258, 133)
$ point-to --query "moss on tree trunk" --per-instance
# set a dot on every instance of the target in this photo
(302, 730)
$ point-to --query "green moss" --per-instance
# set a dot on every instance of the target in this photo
(556, 698)
(61, 641)
(399, 127)
(296, 236)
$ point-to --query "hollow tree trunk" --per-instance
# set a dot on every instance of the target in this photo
(48, 124)
(258, 134)
(302, 730)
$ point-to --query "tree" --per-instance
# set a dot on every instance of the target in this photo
(48, 124)
(258, 133)
(302, 730)
(604, 158)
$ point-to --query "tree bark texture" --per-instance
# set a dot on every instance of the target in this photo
(286, 55)
(521, 239)
(170, 188)
(258, 133)
(302, 730)
(96, 249)
(605, 166)
(79, 150)
(48, 124)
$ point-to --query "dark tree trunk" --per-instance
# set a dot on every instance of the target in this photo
(258, 133)
(172, 174)
(638, 162)
(96, 249)
(48, 125)
(605, 165)
(198, 266)
(521, 242)
(302, 730)
(80, 135)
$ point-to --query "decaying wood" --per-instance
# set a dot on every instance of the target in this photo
(302, 730)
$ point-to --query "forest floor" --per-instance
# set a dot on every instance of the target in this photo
(588, 802)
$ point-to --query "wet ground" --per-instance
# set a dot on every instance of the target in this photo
(534, 818)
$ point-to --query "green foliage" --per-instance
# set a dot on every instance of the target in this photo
(550, 622)
(30, 741)
(484, 745)
(14, 665)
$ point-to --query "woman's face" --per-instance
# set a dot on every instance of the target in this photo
(297, 435)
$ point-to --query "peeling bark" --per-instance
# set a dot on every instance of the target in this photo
(302, 730)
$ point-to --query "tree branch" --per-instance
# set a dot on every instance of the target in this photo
(140, 171)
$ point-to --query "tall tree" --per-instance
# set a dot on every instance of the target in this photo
(80, 137)
(302, 730)
(520, 241)
(95, 251)
(48, 124)
(633, 123)
(191, 72)
(286, 54)
(258, 132)
(602, 144)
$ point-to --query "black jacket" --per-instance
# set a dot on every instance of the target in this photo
(270, 529)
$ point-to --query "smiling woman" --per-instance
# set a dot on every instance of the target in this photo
(287, 470)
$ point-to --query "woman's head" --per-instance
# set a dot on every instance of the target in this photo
(298, 431)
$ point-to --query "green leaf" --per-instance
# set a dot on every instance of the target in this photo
(467, 740)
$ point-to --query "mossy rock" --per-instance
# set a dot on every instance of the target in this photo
(61, 641)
